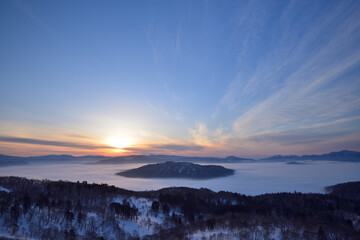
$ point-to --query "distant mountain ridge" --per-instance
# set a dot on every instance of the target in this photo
(166, 158)
(5, 160)
(344, 155)
(11, 161)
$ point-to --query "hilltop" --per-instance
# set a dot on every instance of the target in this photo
(177, 170)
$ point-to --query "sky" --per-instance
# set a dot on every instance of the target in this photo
(196, 78)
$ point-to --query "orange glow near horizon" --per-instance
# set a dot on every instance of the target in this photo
(119, 143)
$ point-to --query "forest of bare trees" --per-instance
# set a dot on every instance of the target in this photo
(67, 210)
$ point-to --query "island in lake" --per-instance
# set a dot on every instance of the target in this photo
(294, 163)
(177, 170)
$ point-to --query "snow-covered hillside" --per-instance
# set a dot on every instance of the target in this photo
(33, 209)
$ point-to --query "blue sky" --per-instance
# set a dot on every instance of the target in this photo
(246, 78)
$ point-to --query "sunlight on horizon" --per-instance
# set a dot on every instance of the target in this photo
(119, 143)
(168, 80)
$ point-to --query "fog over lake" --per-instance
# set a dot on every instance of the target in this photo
(249, 178)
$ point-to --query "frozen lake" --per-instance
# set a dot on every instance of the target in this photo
(249, 178)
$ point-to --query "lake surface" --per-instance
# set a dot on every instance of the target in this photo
(249, 178)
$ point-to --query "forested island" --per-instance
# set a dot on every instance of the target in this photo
(42, 209)
(177, 170)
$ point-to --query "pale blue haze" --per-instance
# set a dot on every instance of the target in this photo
(249, 178)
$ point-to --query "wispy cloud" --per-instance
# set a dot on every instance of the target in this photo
(149, 33)
(158, 109)
(269, 73)
(35, 18)
(51, 143)
(200, 134)
(179, 147)
(303, 82)
(205, 137)
(292, 138)
(178, 43)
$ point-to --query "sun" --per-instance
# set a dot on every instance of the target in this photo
(119, 142)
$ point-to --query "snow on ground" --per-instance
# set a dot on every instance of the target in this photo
(355, 219)
(147, 220)
(276, 234)
(230, 234)
(4, 189)
(133, 228)
(214, 234)
(8, 236)
(91, 214)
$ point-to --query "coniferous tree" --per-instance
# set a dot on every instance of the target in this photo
(155, 206)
